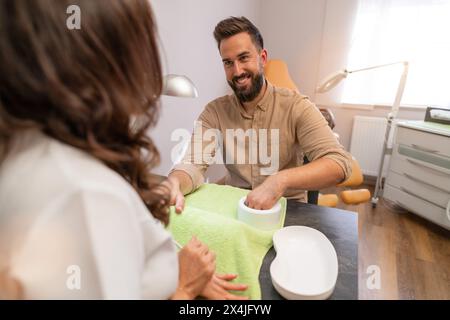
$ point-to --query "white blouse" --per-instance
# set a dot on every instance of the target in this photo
(71, 228)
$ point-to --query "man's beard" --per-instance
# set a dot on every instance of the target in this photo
(246, 95)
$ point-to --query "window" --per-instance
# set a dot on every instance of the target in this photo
(387, 31)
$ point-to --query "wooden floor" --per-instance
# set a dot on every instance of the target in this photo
(413, 255)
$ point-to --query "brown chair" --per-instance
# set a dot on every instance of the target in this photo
(349, 196)
(276, 71)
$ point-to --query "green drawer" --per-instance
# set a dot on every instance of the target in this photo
(439, 161)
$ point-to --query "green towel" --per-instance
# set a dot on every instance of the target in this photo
(211, 214)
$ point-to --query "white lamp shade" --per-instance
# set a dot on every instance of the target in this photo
(331, 81)
(179, 86)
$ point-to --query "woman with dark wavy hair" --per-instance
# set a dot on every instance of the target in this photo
(80, 214)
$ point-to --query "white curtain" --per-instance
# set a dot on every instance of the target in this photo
(395, 30)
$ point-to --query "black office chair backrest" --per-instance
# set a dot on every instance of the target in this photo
(313, 195)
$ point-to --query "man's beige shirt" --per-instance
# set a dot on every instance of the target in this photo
(302, 130)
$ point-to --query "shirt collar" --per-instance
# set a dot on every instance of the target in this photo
(263, 102)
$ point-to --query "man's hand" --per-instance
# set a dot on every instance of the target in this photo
(176, 196)
(219, 286)
(266, 195)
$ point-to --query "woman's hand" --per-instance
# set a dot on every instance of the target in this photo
(197, 266)
(219, 286)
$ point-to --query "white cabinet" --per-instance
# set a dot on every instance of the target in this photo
(419, 172)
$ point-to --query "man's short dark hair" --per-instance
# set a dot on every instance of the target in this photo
(234, 25)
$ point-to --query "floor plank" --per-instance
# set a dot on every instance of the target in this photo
(412, 253)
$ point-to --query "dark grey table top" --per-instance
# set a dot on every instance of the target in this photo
(341, 228)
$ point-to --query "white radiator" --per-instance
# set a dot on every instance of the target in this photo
(367, 143)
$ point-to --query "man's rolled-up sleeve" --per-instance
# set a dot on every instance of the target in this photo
(199, 154)
(317, 139)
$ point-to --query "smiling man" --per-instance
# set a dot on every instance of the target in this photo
(269, 118)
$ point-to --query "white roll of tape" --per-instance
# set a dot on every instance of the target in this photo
(262, 219)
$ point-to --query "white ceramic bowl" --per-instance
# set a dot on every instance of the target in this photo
(262, 219)
(306, 265)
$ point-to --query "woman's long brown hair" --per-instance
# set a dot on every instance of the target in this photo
(96, 88)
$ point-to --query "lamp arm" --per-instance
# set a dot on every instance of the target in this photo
(378, 66)
(401, 88)
(332, 80)
(401, 85)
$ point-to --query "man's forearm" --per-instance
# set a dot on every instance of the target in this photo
(321, 173)
(184, 180)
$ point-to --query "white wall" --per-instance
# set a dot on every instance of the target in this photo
(336, 40)
(344, 118)
(185, 29)
(292, 31)
(338, 25)
(313, 37)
